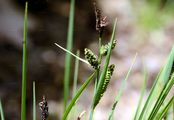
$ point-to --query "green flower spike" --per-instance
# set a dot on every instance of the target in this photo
(104, 48)
(91, 58)
(105, 84)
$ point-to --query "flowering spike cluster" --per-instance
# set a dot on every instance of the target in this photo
(104, 48)
(91, 58)
(101, 22)
(108, 77)
(44, 108)
(109, 73)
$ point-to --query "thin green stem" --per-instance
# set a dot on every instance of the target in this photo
(1, 111)
(147, 103)
(68, 56)
(100, 56)
(142, 95)
(76, 73)
(24, 67)
(77, 57)
(75, 98)
(97, 76)
(99, 61)
(121, 89)
(161, 98)
(91, 113)
(34, 101)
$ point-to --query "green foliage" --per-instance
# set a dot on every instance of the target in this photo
(99, 91)
(109, 72)
(76, 73)
(159, 91)
(104, 48)
(153, 14)
(165, 109)
(24, 66)
(147, 17)
(121, 90)
(1, 111)
(68, 56)
(140, 103)
(34, 101)
(158, 102)
(108, 76)
(75, 98)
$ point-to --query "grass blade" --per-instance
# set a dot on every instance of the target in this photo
(1, 111)
(142, 94)
(162, 78)
(34, 101)
(75, 83)
(161, 98)
(73, 101)
(167, 71)
(149, 99)
(76, 73)
(68, 56)
(121, 89)
(24, 66)
(164, 111)
(82, 60)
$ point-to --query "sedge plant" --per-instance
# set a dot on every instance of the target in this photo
(157, 106)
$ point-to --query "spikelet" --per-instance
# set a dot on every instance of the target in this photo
(101, 21)
(105, 84)
(108, 76)
(104, 48)
(91, 58)
(44, 108)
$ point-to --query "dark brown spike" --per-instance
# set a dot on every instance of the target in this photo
(44, 108)
(101, 22)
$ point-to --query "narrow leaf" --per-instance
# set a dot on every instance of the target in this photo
(75, 98)
(162, 78)
(24, 67)
(121, 89)
(34, 101)
(76, 73)
(165, 109)
(167, 87)
(68, 56)
(1, 111)
(142, 95)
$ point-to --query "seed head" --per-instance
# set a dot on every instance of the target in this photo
(44, 108)
(101, 22)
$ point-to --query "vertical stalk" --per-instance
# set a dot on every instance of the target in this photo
(1, 111)
(68, 56)
(99, 60)
(24, 66)
(97, 77)
(76, 73)
(34, 101)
